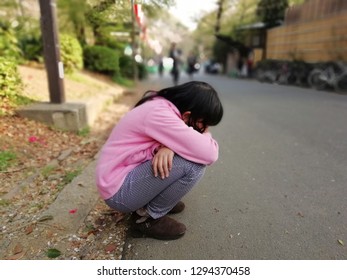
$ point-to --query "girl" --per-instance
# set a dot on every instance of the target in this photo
(155, 155)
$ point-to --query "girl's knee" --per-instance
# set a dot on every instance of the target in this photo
(189, 166)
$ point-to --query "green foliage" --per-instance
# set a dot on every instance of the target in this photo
(101, 59)
(142, 71)
(152, 8)
(53, 253)
(31, 46)
(8, 42)
(10, 87)
(71, 53)
(220, 51)
(126, 66)
(84, 132)
(47, 170)
(271, 12)
(126, 82)
(106, 39)
(4, 202)
(72, 18)
(296, 2)
(69, 176)
(10, 81)
(117, 14)
(6, 159)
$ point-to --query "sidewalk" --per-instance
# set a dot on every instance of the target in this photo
(77, 224)
(87, 227)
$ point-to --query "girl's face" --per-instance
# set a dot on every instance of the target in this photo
(198, 126)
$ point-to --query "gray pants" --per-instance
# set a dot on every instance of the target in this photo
(159, 196)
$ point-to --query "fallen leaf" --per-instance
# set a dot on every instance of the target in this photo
(53, 253)
(73, 211)
(33, 139)
(18, 249)
(49, 233)
(29, 229)
(110, 248)
(341, 242)
(16, 256)
(117, 217)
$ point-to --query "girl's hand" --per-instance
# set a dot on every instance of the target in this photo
(162, 162)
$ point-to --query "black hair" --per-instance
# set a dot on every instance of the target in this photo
(200, 98)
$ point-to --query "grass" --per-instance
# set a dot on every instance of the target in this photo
(84, 132)
(123, 81)
(4, 202)
(47, 170)
(69, 176)
(82, 79)
(7, 158)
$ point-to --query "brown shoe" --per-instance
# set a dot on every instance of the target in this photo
(178, 208)
(164, 228)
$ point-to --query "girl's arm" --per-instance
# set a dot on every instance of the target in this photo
(162, 162)
(166, 126)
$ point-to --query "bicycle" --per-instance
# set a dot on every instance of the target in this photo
(333, 75)
(266, 71)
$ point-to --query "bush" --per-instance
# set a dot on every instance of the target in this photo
(71, 53)
(10, 86)
(101, 59)
(142, 70)
(31, 46)
(9, 43)
(10, 81)
(127, 68)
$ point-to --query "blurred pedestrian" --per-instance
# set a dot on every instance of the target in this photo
(250, 62)
(191, 62)
(175, 54)
(160, 67)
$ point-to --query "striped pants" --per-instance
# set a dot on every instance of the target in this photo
(158, 196)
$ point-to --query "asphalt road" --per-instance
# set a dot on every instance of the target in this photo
(279, 188)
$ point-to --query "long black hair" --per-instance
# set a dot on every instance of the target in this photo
(200, 98)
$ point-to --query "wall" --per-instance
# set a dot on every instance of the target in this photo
(315, 31)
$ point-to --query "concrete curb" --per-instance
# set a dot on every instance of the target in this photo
(74, 202)
(78, 198)
(74, 115)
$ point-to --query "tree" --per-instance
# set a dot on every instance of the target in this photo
(153, 8)
(102, 16)
(272, 12)
(72, 16)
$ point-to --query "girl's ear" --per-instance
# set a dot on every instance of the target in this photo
(186, 116)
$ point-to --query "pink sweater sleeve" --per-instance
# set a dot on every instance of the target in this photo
(166, 127)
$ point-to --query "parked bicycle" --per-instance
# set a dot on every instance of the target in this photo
(330, 75)
(266, 71)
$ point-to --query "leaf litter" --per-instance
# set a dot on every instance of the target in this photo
(44, 159)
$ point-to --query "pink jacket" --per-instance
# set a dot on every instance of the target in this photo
(137, 135)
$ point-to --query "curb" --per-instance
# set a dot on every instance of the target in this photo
(74, 202)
